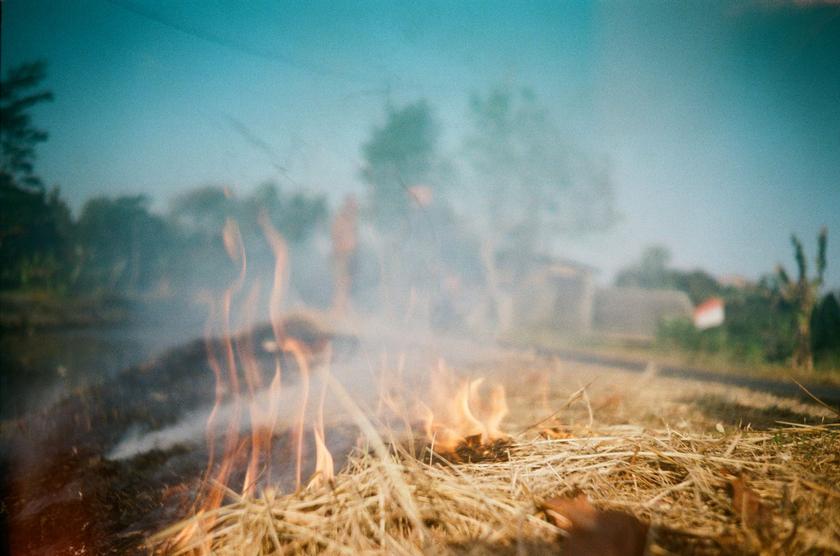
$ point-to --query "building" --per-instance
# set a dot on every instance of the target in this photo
(559, 294)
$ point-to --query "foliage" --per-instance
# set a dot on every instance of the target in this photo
(825, 325)
(34, 223)
(203, 211)
(534, 182)
(803, 295)
(756, 330)
(18, 135)
(34, 229)
(652, 272)
(400, 154)
(118, 244)
(296, 214)
(121, 245)
(763, 321)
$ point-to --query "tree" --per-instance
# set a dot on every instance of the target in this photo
(826, 327)
(400, 154)
(651, 272)
(803, 294)
(18, 135)
(34, 230)
(534, 183)
(199, 215)
(203, 210)
(34, 224)
(295, 214)
(122, 245)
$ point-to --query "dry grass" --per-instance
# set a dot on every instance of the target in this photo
(681, 479)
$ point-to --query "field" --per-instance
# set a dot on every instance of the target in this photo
(689, 467)
(725, 471)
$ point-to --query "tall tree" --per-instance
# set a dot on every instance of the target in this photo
(400, 154)
(803, 293)
(34, 223)
(18, 135)
(533, 181)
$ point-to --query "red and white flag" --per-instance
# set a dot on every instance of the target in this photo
(709, 314)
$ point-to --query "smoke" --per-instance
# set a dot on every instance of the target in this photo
(136, 442)
(192, 427)
(411, 352)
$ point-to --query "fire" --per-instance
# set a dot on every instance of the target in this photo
(324, 465)
(281, 257)
(211, 490)
(233, 360)
(455, 411)
(460, 412)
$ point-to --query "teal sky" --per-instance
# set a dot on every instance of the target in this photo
(721, 121)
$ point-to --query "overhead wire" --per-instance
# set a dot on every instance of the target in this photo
(220, 40)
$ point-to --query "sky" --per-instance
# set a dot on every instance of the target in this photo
(720, 121)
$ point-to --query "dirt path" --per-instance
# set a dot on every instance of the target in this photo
(827, 393)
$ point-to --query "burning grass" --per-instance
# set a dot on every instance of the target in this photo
(476, 489)
(747, 492)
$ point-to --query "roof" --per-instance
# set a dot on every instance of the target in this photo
(559, 265)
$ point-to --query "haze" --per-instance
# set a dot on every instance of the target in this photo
(720, 121)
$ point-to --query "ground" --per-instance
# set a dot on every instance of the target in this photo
(674, 452)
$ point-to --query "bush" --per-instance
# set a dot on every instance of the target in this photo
(825, 327)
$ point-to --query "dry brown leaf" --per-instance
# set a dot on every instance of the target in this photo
(593, 531)
(754, 513)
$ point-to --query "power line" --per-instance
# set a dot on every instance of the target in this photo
(219, 40)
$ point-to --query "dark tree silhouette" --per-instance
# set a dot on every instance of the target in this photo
(121, 245)
(18, 136)
(34, 223)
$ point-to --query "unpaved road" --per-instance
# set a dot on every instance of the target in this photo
(826, 393)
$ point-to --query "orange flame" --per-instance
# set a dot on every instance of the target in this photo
(260, 442)
(459, 410)
(324, 465)
(211, 491)
(281, 258)
(236, 251)
(225, 357)
(295, 348)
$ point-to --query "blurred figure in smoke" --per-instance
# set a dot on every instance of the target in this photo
(344, 242)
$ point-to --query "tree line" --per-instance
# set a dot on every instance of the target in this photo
(520, 183)
(116, 244)
(523, 182)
